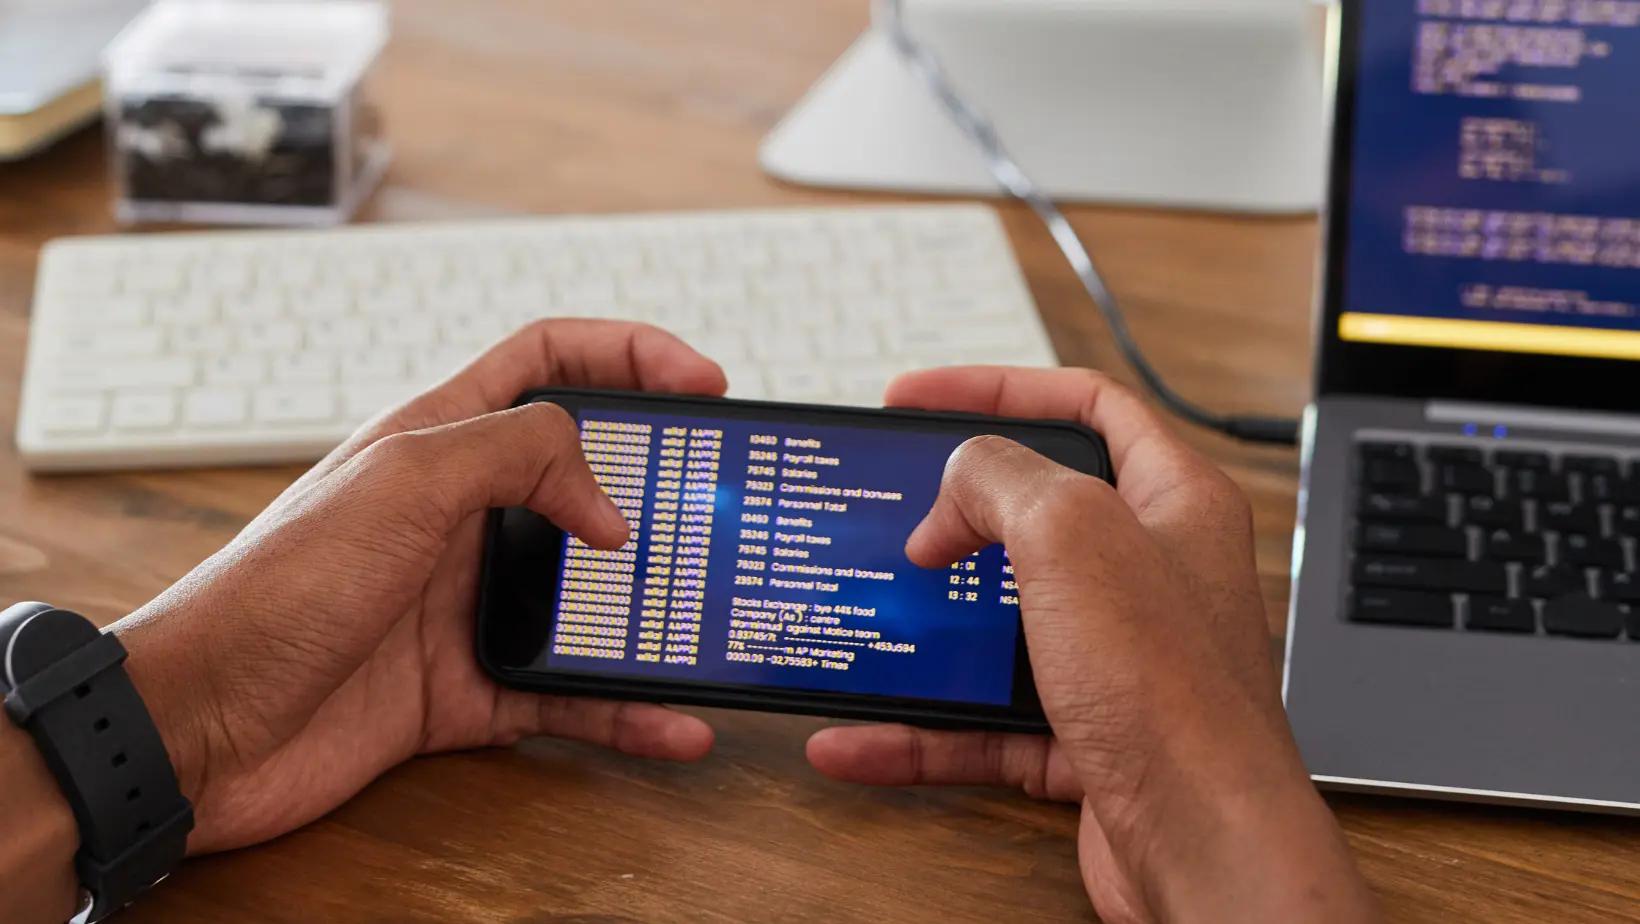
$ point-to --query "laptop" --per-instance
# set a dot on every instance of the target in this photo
(1465, 617)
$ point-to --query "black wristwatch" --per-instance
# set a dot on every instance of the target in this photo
(65, 683)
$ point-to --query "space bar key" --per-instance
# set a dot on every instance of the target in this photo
(1476, 577)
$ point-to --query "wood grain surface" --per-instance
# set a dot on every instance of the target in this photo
(506, 107)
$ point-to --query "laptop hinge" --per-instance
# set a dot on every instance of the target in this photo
(1555, 419)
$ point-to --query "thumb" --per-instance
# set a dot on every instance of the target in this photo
(996, 490)
(527, 456)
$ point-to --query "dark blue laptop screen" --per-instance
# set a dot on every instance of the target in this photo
(1495, 177)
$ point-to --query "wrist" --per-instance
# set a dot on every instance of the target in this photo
(159, 666)
(37, 851)
(1233, 822)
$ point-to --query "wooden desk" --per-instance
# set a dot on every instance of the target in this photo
(518, 106)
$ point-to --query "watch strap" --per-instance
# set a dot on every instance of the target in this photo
(70, 691)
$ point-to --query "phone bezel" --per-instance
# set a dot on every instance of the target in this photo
(494, 620)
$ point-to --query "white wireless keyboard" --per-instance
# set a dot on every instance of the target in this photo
(250, 347)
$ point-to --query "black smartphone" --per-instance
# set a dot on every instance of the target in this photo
(767, 567)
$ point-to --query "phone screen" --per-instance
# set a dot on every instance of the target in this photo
(767, 552)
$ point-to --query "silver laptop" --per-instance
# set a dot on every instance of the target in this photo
(1466, 608)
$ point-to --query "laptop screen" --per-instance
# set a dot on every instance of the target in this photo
(1495, 177)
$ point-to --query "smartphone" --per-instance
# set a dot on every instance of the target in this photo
(767, 567)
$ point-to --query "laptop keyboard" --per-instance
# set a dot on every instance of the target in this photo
(1522, 540)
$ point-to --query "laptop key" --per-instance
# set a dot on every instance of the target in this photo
(1591, 551)
(1400, 607)
(1568, 517)
(1611, 489)
(1513, 545)
(1626, 520)
(1466, 479)
(1582, 616)
(1412, 539)
(1393, 474)
(1464, 454)
(1409, 508)
(1540, 484)
(1590, 465)
(1621, 587)
(1478, 577)
(1497, 614)
(1383, 449)
(1521, 458)
(1546, 581)
(1492, 513)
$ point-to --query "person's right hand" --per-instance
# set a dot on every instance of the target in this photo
(1149, 648)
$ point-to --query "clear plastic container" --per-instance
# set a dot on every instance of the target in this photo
(245, 111)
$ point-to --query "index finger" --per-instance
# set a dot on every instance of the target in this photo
(1149, 458)
(578, 352)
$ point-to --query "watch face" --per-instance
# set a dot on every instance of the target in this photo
(12, 618)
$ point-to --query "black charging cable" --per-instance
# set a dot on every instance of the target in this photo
(1281, 431)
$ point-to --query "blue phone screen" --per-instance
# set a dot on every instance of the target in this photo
(771, 554)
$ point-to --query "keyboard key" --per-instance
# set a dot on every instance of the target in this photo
(1392, 474)
(1466, 479)
(745, 379)
(1468, 455)
(1587, 551)
(201, 339)
(1496, 614)
(187, 309)
(1537, 483)
(1400, 607)
(1512, 545)
(1377, 506)
(1379, 449)
(338, 333)
(1622, 587)
(1626, 520)
(1610, 489)
(1568, 517)
(1480, 577)
(1582, 617)
(74, 415)
(799, 383)
(144, 410)
(290, 404)
(302, 368)
(215, 407)
(1520, 458)
(1547, 581)
(115, 341)
(362, 402)
(776, 349)
(1492, 513)
(270, 336)
(236, 369)
(1592, 465)
(373, 365)
(1403, 539)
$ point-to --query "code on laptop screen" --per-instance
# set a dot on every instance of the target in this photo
(1495, 186)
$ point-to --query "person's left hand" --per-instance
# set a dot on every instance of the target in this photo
(332, 639)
